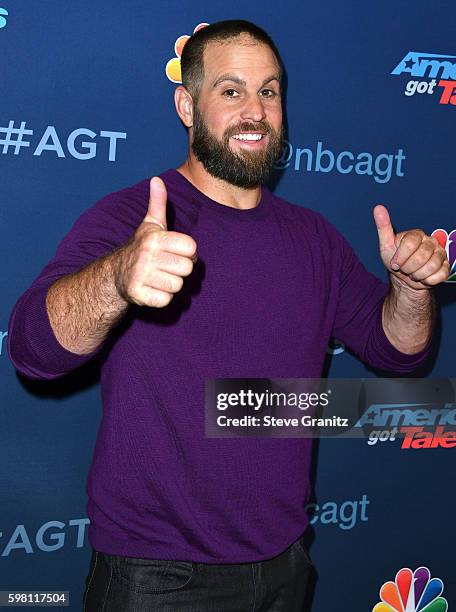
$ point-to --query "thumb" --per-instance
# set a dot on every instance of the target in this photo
(156, 211)
(385, 230)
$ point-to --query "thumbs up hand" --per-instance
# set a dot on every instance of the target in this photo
(413, 257)
(156, 211)
(150, 267)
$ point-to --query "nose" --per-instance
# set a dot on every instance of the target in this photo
(253, 109)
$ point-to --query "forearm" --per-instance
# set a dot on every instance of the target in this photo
(408, 317)
(84, 306)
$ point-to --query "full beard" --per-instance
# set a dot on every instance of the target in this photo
(247, 169)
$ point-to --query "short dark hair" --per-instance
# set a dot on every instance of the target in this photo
(192, 64)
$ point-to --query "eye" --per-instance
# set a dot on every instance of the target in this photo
(268, 93)
(230, 93)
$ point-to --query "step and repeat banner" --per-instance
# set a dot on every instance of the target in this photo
(86, 108)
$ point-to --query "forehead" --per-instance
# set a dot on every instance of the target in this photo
(241, 56)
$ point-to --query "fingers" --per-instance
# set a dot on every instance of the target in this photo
(439, 277)
(413, 251)
(385, 230)
(420, 257)
(180, 244)
(153, 264)
(174, 264)
(157, 290)
(156, 211)
(436, 270)
(147, 296)
(163, 281)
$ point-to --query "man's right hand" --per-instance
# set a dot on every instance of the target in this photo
(150, 267)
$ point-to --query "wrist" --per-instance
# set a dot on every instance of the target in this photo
(399, 287)
(112, 272)
(408, 316)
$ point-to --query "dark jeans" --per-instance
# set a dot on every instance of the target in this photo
(126, 584)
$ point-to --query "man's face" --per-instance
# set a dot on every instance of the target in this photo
(237, 121)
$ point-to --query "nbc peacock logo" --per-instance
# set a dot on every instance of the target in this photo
(173, 66)
(412, 592)
(448, 241)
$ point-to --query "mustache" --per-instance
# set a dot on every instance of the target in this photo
(248, 126)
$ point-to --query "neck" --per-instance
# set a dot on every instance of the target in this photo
(217, 189)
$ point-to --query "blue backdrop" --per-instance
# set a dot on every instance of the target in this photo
(86, 108)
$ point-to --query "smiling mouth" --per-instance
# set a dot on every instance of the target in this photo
(249, 137)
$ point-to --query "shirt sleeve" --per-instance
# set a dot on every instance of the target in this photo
(32, 345)
(358, 319)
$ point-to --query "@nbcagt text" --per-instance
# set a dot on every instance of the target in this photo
(255, 401)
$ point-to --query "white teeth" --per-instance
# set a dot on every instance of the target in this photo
(248, 136)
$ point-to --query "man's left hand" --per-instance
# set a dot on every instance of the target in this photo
(413, 257)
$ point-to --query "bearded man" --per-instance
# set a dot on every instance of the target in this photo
(204, 273)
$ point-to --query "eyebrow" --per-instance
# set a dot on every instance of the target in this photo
(235, 79)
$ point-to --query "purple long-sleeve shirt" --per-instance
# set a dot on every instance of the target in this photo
(271, 285)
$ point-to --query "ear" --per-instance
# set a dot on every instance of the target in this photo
(184, 105)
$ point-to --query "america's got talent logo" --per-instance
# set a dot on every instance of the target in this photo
(412, 592)
(448, 241)
(430, 70)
